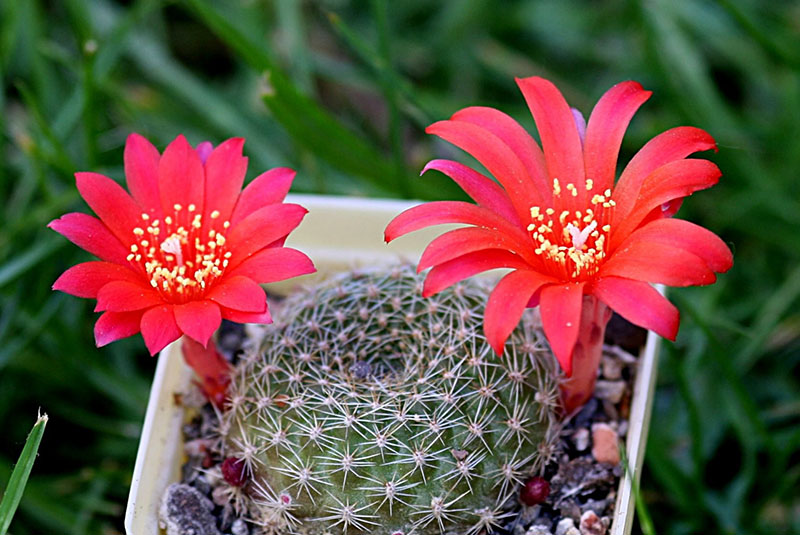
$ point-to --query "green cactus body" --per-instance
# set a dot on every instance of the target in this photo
(369, 409)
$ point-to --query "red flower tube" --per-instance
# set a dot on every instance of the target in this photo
(186, 247)
(577, 242)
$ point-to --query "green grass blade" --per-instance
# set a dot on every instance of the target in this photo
(310, 125)
(153, 59)
(253, 53)
(768, 315)
(776, 48)
(316, 130)
(389, 88)
(27, 259)
(19, 477)
(291, 20)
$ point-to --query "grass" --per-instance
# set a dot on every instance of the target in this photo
(342, 92)
(19, 476)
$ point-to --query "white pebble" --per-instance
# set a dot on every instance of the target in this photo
(239, 527)
(565, 526)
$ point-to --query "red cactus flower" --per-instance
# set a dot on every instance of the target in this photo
(186, 248)
(577, 243)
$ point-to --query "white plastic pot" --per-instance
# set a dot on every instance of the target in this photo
(338, 233)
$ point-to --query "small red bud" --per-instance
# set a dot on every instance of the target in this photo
(535, 491)
(233, 471)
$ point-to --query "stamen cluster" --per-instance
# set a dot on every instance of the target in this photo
(368, 409)
(182, 256)
(573, 242)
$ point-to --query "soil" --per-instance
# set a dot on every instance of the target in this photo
(583, 479)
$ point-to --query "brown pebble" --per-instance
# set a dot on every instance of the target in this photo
(591, 524)
(605, 448)
(625, 406)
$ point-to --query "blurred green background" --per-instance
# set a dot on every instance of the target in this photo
(342, 91)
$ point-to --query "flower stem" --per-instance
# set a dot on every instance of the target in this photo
(576, 390)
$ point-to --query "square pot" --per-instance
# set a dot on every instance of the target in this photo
(337, 234)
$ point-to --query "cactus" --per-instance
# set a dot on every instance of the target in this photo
(368, 409)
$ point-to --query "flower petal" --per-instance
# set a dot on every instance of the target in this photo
(90, 234)
(159, 328)
(262, 228)
(225, 169)
(181, 179)
(482, 189)
(607, 124)
(124, 296)
(198, 319)
(674, 144)
(466, 240)
(518, 140)
(688, 236)
(560, 307)
(639, 303)
(239, 293)
(671, 181)
(559, 134)
(274, 264)
(113, 326)
(443, 212)
(658, 263)
(237, 316)
(496, 157)
(141, 173)
(448, 273)
(506, 304)
(267, 188)
(86, 279)
(112, 204)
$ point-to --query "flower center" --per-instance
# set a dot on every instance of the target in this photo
(572, 242)
(181, 255)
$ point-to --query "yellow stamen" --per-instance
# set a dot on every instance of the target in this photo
(576, 244)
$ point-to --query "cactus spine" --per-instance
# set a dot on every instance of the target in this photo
(369, 409)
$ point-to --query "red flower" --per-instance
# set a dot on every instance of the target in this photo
(186, 248)
(557, 219)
